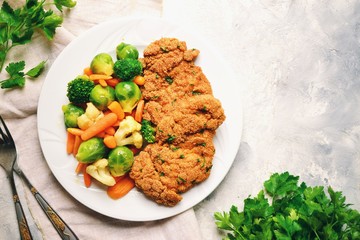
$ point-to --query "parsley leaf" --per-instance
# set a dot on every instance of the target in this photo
(36, 71)
(16, 79)
(291, 211)
(169, 80)
(15, 68)
(17, 27)
(17, 75)
(50, 23)
(64, 3)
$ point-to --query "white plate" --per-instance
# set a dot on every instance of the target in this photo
(70, 63)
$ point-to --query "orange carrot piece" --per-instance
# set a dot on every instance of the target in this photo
(112, 82)
(88, 71)
(116, 108)
(121, 188)
(110, 142)
(70, 143)
(117, 123)
(102, 82)
(77, 143)
(134, 149)
(106, 112)
(80, 167)
(119, 178)
(139, 111)
(139, 80)
(101, 135)
(110, 131)
(87, 179)
(99, 76)
(103, 123)
(75, 131)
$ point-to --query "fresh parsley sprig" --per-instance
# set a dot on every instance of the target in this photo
(17, 27)
(17, 74)
(291, 211)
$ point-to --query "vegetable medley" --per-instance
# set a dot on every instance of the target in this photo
(103, 119)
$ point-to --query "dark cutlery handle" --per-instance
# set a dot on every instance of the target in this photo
(24, 229)
(61, 227)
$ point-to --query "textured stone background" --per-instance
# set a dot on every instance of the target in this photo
(298, 67)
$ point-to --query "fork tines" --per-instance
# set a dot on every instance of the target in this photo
(5, 137)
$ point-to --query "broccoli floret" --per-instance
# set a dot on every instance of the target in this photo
(148, 131)
(78, 90)
(126, 69)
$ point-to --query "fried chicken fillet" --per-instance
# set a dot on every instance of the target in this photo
(180, 103)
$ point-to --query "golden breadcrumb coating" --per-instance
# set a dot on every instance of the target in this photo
(179, 101)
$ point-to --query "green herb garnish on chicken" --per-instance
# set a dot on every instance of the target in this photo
(291, 211)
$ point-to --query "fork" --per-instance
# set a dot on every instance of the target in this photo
(61, 227)
(8, 155)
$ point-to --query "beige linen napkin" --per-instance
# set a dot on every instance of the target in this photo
(18, 107)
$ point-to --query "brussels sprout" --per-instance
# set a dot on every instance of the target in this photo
(71, 113)
(120, 160)
(101, 97)
(124, 50)
(128, 94)
(91, 150)
(102, 64)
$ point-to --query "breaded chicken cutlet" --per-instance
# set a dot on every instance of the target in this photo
(180, 103)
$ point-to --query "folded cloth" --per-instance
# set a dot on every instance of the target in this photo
(19, 109)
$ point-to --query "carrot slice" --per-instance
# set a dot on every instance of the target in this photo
(139, 80)
(99, 76)
(77, 143)
(121, 188)
(112, 82)
(88, 71)
(119, 178)
(87, 179)
(75, 131)
(80, 167)
(70, 143)
(102, 82)
(116, 108)
(110, 142)
(139, 111)
(103, 123)
(110, 131)
(101, 135)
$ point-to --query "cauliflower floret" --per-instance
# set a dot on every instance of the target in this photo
(129, 133)
(100, 171)
(91, 115)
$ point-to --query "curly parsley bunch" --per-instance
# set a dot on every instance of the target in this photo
(294, 212)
